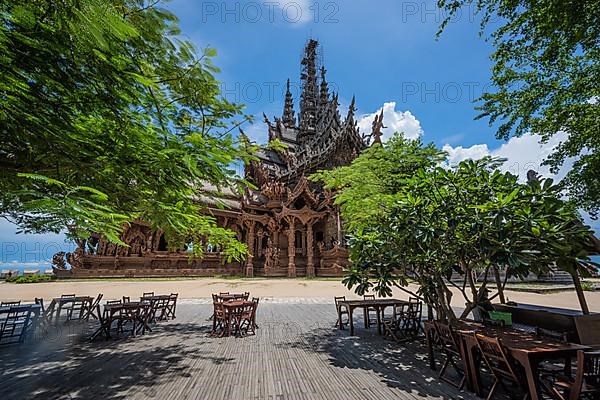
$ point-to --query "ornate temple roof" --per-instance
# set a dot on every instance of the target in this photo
(319, 138)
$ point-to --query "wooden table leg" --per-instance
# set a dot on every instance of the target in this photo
(379, 310)
(350, 321)
(531, 369)
(429, 338)
(340, 324)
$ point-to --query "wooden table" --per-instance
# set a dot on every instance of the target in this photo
(231, 308)
(526, 348)
(155, 302)
(378, 304)
(57, 304)
(113, 312)
(232, 296)
(29, 322)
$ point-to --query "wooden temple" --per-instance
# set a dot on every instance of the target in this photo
(290, 224)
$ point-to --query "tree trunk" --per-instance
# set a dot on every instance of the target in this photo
(499, 285)
(582, 302)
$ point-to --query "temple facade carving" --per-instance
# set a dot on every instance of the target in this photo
(291, 225)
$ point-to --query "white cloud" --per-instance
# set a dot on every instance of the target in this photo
(294, 11)
(522, 154)
(393, 121)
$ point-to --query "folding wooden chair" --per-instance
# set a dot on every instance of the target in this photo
(451, 348)
(585, 385)
(245, 320)
(126, 299)
(369, 317)
(498, 363)
(172, 305)
(340, 312)
(93, 307)
(255, 300)
(221, 321)
(76, 310)
(14, 324)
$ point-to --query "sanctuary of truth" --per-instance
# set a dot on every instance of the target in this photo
(291, 225)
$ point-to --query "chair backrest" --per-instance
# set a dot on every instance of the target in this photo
(497, 323)
(126, 299)
(369, 297)
(246, 295)
(495, 357)
(66, 296)
(10, 303)
(148, 294)
(446, 335)
(40, 302)
(219, 310)
(588, 372)
(255, 300)
(113, 302)
(337, 299)
(97, 301)
(223, 293)
(560, 336)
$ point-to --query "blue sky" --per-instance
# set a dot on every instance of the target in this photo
(384, 52)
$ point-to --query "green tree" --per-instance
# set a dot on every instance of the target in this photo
(546, 73)
(108, 116)
(434, 224)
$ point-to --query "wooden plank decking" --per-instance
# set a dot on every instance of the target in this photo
(296, 354)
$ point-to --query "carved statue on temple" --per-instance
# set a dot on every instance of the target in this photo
(377, 127)
(58, 261)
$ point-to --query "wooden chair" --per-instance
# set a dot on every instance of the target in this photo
(221, 321)
(66, 296)
(14, 325)
(76, 310)
(172, 305)
(245, 319)
(246, 296)
(255, 300)
(586, 384)
(340, 312)
(148, 294)
(113, 302)
(10, 303)
(369, 318)
(500, 366)
(93, 307)
(412, 324)
(126, 299)
(449, 344)
(223, 293)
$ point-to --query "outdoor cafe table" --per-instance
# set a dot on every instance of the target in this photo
(378, 304)
(58, 303)
(524, 347)
(113, 312)
(232, 296)
(154, 301)
(231, 308)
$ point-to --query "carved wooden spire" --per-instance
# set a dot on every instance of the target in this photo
(288, 118)
(309, 97)
(324, 98)
(351, 110)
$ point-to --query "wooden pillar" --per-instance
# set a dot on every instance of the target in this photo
(250, 243)
(339, 226)
(310, 265)
(291, 250)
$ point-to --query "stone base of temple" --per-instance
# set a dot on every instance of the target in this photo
(180, 265)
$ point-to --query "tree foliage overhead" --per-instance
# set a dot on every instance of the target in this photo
(107, 116)
(411, 217)
(546, 73)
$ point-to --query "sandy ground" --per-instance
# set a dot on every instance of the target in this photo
(264, 288)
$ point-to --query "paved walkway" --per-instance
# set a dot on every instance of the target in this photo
(296, 354)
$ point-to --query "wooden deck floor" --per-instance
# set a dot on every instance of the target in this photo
(296, 354)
